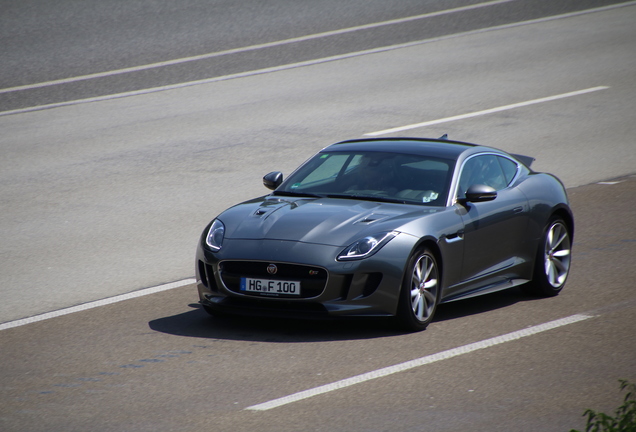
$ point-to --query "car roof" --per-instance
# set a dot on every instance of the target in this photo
(441, 148)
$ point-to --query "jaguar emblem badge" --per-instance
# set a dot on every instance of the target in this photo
(272, 269)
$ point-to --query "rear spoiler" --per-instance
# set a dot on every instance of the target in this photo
(526, 160)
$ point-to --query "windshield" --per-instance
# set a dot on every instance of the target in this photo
(391, 177)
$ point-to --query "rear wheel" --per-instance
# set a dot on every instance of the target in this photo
(420, 291)
(552, 264)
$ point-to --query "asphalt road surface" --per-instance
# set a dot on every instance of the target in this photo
(160, 363)
(108, 197)
(107, 180)
(63, 51)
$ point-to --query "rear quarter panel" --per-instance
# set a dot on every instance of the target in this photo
(546, 196)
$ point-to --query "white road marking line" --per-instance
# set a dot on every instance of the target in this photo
(95, 304)
(444, 355)
(312, 62)
(252, 47)
(484, 112)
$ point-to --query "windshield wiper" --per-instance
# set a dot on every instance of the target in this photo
(297, 194)
(341, 196)
(368, 198)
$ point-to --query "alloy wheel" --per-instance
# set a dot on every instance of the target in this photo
(557, 254)
(424, 287)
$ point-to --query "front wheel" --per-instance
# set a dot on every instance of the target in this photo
(420, 291)
(552, 264)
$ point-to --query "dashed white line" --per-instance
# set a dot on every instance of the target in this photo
(253, 47)
(288, 66)
(444, 355)
(95, 304)
(488, 111)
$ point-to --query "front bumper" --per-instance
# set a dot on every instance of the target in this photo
(368, 287)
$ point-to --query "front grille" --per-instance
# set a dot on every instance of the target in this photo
(312, 279)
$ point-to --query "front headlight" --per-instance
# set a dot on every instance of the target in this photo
(214, 239)
(366, 247)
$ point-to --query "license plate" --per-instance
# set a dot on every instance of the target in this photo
(268, 286)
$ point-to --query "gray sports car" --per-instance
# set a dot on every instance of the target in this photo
(388, 227)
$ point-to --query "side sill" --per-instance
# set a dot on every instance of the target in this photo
(488, 289)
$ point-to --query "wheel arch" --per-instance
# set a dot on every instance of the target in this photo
(433, 246)
(567, 216)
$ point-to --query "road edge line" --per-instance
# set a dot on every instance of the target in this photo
(443, 355)
(97, 303)
(313, 62)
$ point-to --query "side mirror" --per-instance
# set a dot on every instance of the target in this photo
(480, 193)
(273, 180)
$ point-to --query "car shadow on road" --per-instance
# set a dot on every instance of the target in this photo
(478, 305)
(197, 323)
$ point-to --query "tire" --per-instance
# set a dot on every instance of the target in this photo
(552, 263)
(420, 292)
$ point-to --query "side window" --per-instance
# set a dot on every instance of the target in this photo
(483, 170)
(509, 168)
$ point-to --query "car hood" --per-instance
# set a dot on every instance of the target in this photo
(327, 221)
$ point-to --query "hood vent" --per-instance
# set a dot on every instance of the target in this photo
(372, 218)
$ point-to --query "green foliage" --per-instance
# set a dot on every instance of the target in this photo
(625, 419)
